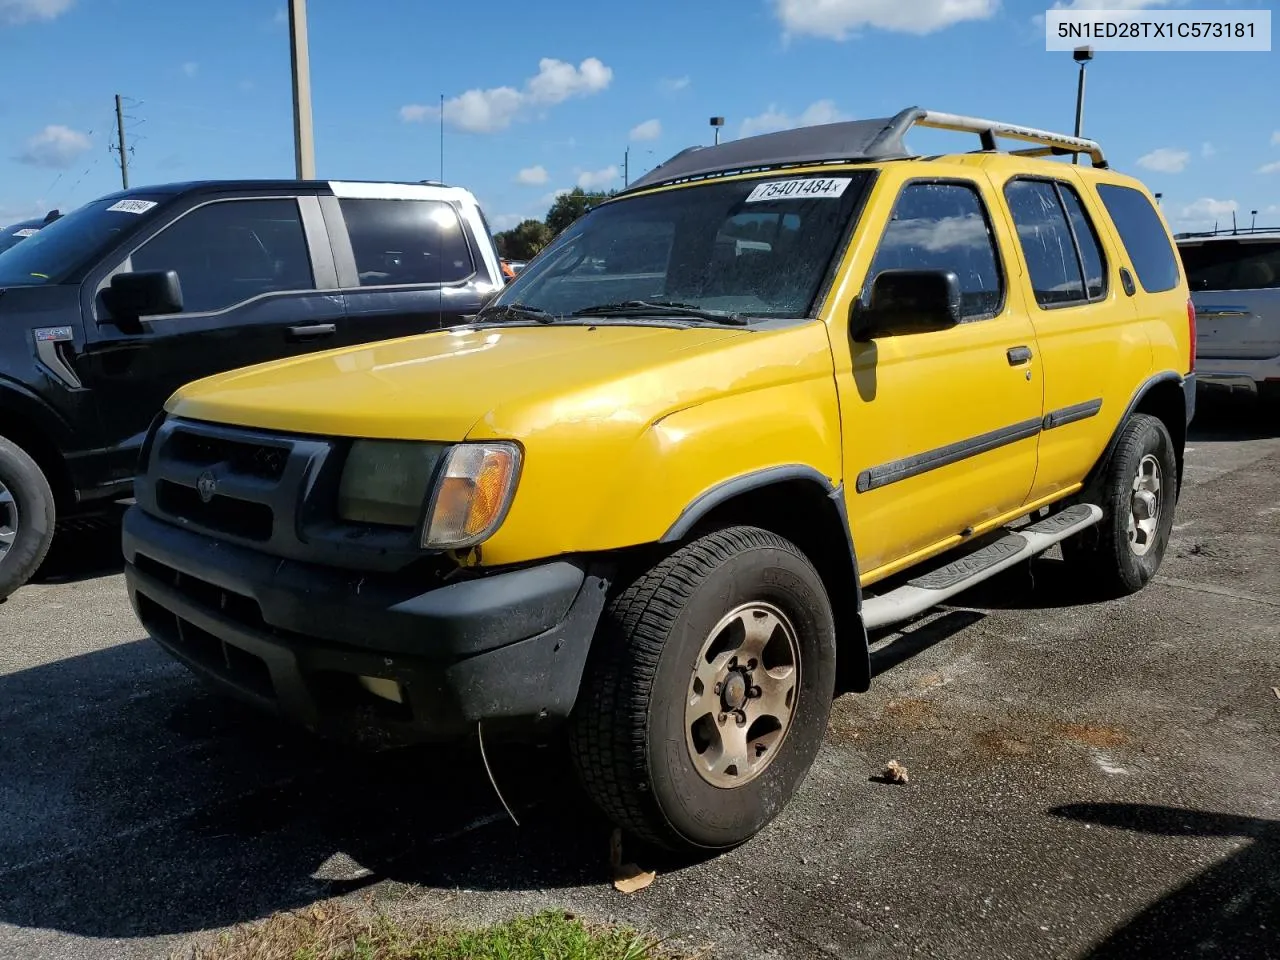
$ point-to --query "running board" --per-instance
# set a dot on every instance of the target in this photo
(931, 589)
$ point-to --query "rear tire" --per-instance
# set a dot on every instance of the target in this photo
(26, 517)
(1138, 493)
(708, 691)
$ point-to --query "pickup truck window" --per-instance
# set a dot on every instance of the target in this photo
(229, 251)
(944, 226)
(1232, 265)
(69, 243)
(1058, 240)
(1143, 235)
(407, 241)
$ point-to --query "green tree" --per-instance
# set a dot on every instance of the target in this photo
(570, 206)
(524, 241)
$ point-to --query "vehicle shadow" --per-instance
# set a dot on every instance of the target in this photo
(1232, 909)
(84, 548)
(1226, 416)
(169, 811)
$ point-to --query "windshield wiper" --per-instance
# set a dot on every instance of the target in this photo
(660, 308)
(515, 311)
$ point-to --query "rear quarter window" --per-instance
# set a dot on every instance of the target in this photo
(1144, 237)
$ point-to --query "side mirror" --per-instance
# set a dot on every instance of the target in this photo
(908, 301)
(148, 293)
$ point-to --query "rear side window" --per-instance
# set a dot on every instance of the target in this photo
(1058, 241)
(1232, 265)
(944, 226)
(407, 241)
(231, 251)
(1144, 237)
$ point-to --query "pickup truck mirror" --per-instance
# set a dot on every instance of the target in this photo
(147, 293)
(907, 301)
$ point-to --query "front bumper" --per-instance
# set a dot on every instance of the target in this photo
(507, 649)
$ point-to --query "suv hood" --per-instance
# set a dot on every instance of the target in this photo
(440, 385)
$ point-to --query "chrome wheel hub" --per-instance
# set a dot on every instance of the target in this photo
(8, 520)
(1144, 506)
(742, 695)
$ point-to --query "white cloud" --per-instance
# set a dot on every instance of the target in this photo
(55, 146)
(533, 176)
(836, 19)
(24, 11)
(1206, 211)
(282, 17)
(191, 68)
(1270, 168)
(649, 130)
(487, 111)
(553, 196)
(598, 179)
(1273, 210)
(1275, 139)
(1208, 150)
(1165, 160)
(1112, 4)
(773, 119)
(674, 84)
(506, 221)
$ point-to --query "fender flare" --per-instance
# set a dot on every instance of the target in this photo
(854, 647)
(1188, 384)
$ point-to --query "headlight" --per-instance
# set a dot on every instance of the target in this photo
(465, 489)
(387, 482)
(472, 495)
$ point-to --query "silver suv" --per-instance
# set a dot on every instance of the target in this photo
(1234, 277)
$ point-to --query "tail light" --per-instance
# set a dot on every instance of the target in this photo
(1191, 327)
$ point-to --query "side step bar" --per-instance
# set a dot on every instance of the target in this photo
(931, 589)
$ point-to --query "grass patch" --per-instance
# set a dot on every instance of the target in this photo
(336, 931)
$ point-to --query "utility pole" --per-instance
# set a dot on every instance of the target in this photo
(304, 147)
(1254, 224)
(124, 156)
(716, 124)
(1081, 56)
(626, 168)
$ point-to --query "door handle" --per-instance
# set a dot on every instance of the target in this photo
(1223, 313)
(1018, 355)
(314, 331)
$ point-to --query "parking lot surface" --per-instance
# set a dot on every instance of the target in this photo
(1086, 779)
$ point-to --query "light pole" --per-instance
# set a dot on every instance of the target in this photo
(716, 124)
(1082, 56)
(304, 147)
(1254, 224)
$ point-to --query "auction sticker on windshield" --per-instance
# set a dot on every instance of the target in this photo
(26, 232)
(131, 206)
(809, 189)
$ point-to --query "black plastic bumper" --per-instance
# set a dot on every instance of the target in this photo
(507, 649)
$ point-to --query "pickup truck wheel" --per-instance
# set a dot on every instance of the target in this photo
(708, 691)
(1139, 491)
(26, 517)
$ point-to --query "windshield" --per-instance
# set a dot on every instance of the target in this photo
(1232, 264)
(16, 234)
(54, 252)
(753, 249)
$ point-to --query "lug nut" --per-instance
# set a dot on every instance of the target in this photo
(754, 693)
(752, 663)
(723, 718)
(741, 718)
(719, 687)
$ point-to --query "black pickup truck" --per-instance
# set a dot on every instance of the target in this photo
(107, 310)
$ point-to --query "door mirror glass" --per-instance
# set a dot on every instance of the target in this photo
(148, 293)
(909, 301)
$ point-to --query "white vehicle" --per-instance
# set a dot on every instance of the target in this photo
(1234, 277)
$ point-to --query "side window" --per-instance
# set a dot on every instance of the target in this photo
(230, 251)
(407, 241)
(1045, 235)
(944, 226)
(1144, 237)
(1095, 275)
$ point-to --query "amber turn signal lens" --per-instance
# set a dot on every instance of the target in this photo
(472, 495)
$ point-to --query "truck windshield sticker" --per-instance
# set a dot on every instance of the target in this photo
(131, 206)
(826, 188)
(26, 232)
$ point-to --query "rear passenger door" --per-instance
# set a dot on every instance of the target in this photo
(407, 265)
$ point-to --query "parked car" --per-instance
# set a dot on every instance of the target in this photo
(17, 232)
(1234, 277)
(665, 497)
(104, 312)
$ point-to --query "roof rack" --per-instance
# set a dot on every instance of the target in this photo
(1227, 232)
(850, 142)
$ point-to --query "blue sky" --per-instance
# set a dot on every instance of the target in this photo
(542, 97)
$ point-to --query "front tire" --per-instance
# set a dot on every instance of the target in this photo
(1138, 493)
(708, 691)
(26, 517)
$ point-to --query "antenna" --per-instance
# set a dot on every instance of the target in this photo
(1233, 222)
(442, 138)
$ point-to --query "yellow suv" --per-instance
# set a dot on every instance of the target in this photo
(777, 393)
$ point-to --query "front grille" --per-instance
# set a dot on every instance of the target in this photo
(262, 460)
(240, 518)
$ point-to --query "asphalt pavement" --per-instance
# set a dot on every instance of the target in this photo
(1086, 779)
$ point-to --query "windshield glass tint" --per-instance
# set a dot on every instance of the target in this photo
(759, 248)
(1232, 265)
(58, 249)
